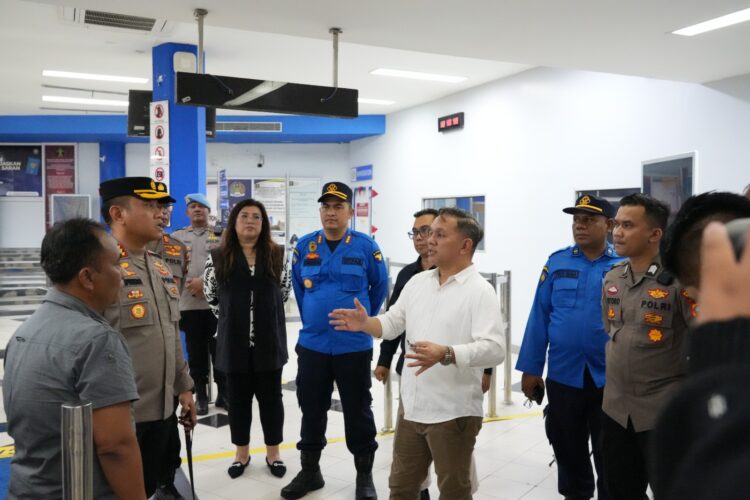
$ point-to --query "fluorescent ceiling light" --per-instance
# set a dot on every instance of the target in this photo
(416, 75)
(91, 76)
(714, 24)
(381, 102)
(84, 100)
(254, 93)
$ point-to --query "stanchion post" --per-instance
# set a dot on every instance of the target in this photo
(77, 452)
(388, 406)
(492, 403)
(508, 353)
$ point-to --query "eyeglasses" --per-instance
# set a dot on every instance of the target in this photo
(424, 232)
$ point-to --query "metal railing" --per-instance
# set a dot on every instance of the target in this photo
(501, 283)
(77, 452)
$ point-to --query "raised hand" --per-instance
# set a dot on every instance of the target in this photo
(351, 320)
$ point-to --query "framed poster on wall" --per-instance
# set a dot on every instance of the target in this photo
(59, 174)
(472, 204)
(670, 179)
(21, 170)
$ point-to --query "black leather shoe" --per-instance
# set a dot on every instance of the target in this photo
(278, 468)
(237, 468)
(201, 400)
(365, 489)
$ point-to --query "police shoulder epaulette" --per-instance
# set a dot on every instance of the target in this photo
(562, 250)
(665, 278)
(620, 264)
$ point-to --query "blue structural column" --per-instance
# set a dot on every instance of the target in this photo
(187, 132)
(111, 160)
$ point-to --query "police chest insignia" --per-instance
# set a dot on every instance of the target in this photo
(135, 294)
(611, 313)
(655, 335)
(312, 256)
(138, 311)
(308, 283)
(123, 253)
(312, 246)
(653, 319)
(612, 290)
(378, 256)
(174, 290)
(658, 293)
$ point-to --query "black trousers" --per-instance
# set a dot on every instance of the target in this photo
(172, 460)
(153, 439)
(574, 415)
(200, 326)
(625, 460)
(316, 373)
(266, 387)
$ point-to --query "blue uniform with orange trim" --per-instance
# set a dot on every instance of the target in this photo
(324, 281)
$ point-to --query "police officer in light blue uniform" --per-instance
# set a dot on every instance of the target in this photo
(330, 268)
(566, 320)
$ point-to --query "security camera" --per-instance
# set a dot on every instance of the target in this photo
(261, 161)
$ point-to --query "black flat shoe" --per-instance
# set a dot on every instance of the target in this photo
(278, 468)
(237, 468)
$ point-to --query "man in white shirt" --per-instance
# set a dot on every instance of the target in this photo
(454, 330)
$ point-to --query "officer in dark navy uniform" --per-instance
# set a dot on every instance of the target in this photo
(566, 320)
(331, 268)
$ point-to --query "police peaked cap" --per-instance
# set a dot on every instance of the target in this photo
(144, 188)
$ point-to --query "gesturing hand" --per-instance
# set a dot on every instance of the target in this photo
(425, 354)
(725, 283)
(351, 320)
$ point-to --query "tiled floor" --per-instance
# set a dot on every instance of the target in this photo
(512, 453)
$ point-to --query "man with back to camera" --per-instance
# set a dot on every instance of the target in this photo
(419, 235)
(566, 319)
(331, 267)
(453, 325)
(91, 364)
(146, 313)
(646, 315)
(197, 321)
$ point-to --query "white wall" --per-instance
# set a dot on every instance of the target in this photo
(530, 142)
(327, 161)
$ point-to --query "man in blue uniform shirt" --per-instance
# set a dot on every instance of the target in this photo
(330, 268)
(566, 319)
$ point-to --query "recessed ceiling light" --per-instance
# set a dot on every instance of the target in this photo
(416, 75)
(84, 100)
(381, 102)
(91, 76)
(714, 24)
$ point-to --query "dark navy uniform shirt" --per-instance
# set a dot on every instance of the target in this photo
(325, 280)
(566, 319)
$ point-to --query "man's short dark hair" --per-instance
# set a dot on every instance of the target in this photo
(69, 247)
(657, 212)
(467, 224)
(426, 211)
(681, 244)
(120, 201)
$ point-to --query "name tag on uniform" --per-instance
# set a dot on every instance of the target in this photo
(354, 261)
(566, 273)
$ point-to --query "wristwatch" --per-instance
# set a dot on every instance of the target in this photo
(447, 357)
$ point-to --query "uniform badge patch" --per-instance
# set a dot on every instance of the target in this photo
(653, 319)
(545, 271)
(308, 283)
(174, 290)
(312, 256)
(348, 239)
(658, 293)
(135, 294)
(138, 311)
(378, 256)
(612, 290)
(611, 313)
(655, 335)
(312, 246)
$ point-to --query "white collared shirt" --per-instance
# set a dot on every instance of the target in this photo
(463, 313)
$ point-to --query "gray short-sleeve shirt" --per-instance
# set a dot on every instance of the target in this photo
(64, 353)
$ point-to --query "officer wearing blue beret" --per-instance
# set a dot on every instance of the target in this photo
(330, 268)
(565, 320)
